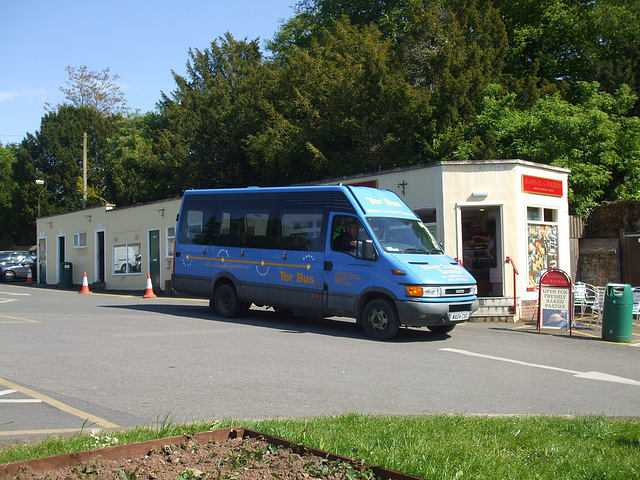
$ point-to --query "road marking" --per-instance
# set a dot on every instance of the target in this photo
(59, 405)
(17, 294)
(16, 400)
(588, 375)
(7, 300)
(20, 320)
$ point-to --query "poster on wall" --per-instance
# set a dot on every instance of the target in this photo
(542, 251)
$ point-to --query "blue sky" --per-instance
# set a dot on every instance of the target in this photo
(142, 41)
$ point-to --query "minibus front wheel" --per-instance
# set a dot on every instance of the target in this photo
(380, 319)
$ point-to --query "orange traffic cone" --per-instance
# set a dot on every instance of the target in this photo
(29, 276)
(149, 291)
(85, 284)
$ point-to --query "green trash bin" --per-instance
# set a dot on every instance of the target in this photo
(617, 318)
(66, 275)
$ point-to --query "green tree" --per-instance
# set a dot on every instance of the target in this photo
(593, 137)
(54, 153)
(342, 107)
(562, 42)
(7, 189)
(134, 173)
(454, 50)
(213, 109)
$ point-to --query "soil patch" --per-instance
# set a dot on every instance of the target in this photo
(232, 459)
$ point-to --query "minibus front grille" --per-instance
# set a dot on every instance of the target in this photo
(456, 291)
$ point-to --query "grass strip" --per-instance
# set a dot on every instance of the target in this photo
(434, 447)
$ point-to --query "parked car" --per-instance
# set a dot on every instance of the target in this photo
(12, 256)
(18, 271)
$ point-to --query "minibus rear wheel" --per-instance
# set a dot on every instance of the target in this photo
(380, 319)
(226, 302)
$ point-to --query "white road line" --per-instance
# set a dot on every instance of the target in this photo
(16, 400)
(7, 300)
(20, 400)
(17, 294)
(588, 375)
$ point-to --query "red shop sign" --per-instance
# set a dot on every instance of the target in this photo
(541, 186)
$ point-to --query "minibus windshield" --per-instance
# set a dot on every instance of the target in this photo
(404, 235)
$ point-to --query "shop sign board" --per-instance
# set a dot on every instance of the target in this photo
(541, 185)
(555, 302)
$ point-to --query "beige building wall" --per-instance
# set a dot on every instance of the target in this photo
(98, 241)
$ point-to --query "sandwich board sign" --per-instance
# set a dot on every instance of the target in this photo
(555, 302)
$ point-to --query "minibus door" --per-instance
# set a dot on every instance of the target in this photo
(346, 274)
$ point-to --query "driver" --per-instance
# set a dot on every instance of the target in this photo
(348, 241)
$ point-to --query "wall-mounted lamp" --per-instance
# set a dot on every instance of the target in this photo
(480, 193)
(160, 211)
(87, 217)
(50, 224)
(109, 206)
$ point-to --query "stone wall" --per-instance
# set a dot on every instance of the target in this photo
(599, 261)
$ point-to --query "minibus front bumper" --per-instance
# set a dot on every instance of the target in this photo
(425, 314)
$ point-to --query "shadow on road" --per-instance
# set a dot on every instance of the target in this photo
(332, 326)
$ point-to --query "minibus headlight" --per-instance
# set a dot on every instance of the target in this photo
(474, 290)
(413, 290)
(431, 292)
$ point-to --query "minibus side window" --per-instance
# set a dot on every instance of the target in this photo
(246, 222)
(301, 230)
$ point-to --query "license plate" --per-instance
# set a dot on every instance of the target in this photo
(458, 316)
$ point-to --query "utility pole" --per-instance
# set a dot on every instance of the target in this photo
(84, 170)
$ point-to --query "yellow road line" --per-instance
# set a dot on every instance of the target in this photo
(59, 405)
(20, 320)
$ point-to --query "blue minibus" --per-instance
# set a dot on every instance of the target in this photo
(328, 250)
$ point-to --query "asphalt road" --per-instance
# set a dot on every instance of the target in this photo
(70, 361)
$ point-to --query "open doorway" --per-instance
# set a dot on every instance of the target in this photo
(482, 248)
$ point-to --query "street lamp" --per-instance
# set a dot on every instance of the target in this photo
(39, 181)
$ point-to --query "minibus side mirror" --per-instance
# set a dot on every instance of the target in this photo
(368, 250)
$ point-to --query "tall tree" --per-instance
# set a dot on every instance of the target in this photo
(133, 171)
(454, 50)
(98, 90)
(214, 107)
(563, 42)
(343, 107)
(7, 189)
(593, 137)
(55, 152)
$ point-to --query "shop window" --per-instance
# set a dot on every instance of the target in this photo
(80, 240)
(127, 258)
(542, 238)
(171, 238)
(428, 217)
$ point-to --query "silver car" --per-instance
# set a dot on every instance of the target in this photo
(18, 271)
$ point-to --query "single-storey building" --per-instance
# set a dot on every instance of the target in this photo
(116, 247)
(506, 221)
